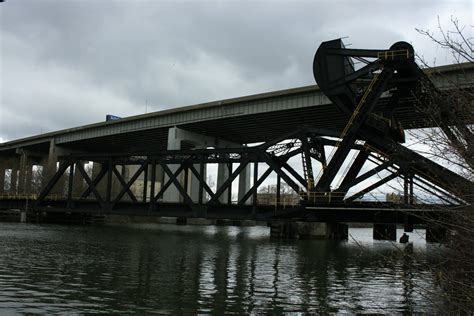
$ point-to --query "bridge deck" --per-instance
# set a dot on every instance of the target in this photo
(362, 212)
(241, 120)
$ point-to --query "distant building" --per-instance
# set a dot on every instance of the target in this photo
(271, 199)
(398, 198)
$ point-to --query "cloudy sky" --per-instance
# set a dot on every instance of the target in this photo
(69, 63)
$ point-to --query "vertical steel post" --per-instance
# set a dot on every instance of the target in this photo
(70, 184)
(152, 185)
(278, 189)
(229, 190)
(145, 183)
(406, 183)
(108, 190)
(22, 172)
(255, 187)
(201, 180)
(186, 177)
(14, 178)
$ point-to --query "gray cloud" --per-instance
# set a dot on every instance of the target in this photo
(65, 64)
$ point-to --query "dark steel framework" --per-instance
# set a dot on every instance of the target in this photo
(371, 131)
(394, 73)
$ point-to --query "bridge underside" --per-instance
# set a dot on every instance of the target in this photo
(246, 129)
(108, 190)
(346, 213)
(161, 174)
(240, 129)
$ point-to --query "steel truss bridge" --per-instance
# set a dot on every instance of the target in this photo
(368, 98)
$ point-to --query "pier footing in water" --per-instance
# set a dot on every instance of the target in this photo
(308, 230)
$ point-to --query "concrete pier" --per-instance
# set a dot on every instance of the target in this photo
(223, 173)
(176, 138)
(199, 221)
(308, 230)
(283, 230)
(23, 216)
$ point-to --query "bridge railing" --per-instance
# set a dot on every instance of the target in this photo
(32, 197)
(285, 202)
(322, 196)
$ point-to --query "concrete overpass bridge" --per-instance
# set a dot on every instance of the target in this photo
(157, 163)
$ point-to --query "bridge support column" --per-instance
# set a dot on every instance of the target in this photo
(176, 138)
(194, 187)
(330, 231)
(244, 184)
(3, 169)
(385, 232)
(100, 187)
(124, 171)
(10, 169)
(283, 230)
(78, 181)
(139, 187)
(43, 164)
(309, 230)
(23, 171)
(159, 178)
(223, 172)
(28, 174)
(14, 177)
(116, 185)
(50, 169)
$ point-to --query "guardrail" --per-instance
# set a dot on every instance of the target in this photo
(322, 196)
(33, 197)
(285, 202)
(394, 54)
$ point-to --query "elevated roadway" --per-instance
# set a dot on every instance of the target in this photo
(249, 119)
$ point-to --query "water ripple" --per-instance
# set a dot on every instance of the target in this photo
(219, 270)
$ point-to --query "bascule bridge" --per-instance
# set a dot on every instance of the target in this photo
(332, 143)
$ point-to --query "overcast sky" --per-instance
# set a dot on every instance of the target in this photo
(69, 63)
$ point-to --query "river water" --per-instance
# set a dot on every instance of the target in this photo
(208, 269)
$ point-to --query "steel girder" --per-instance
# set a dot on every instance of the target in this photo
(392, 72)
(185, 162)
(274, 156)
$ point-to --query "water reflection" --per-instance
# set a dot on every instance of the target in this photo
(50, 269)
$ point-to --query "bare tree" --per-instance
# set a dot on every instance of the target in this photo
(7, 182)
(268, 195)
(451, 108)
(285, 189)
(457, 41)
(36, 179)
